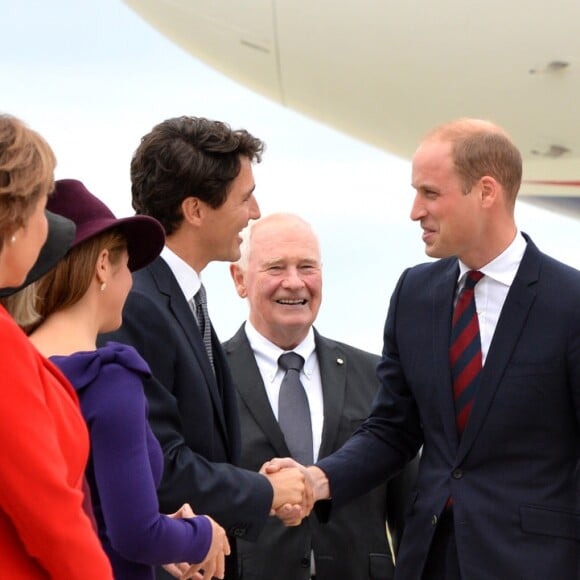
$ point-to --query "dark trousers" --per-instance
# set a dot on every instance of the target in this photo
(442, 561)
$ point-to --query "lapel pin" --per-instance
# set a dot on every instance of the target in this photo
(339, 361)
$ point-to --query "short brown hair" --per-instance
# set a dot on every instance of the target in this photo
(187, 157)
(26, 173)
(480, 148)
(66, 284)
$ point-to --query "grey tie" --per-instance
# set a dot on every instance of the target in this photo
(294, 411)
(203, 322)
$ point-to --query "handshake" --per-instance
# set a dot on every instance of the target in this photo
(296, 488)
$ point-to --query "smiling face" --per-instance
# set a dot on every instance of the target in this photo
(452, 221)
(282, 279)
(222, 226)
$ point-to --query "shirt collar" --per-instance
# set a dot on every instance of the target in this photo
(504, 267)
(267, 353)
(188, 279)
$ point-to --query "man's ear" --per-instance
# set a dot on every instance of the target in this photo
(192, 209)
(238, 278)
(490, 189)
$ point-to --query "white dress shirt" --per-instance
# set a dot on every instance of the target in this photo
(267, 353)
(491, 291)
(187, 278)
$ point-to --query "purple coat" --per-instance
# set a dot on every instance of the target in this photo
(126, 465)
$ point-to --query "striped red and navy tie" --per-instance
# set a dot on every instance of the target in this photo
(465, 352)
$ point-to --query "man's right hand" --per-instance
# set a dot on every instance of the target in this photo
(293, 495)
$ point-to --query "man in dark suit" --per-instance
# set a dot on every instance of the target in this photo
(280, 274)
(483, 372)
(195, 177)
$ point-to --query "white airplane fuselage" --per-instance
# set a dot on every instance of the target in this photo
(388, 71)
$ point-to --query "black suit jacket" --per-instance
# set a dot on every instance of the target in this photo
(514, 475)
(192, 412)
(354, 544)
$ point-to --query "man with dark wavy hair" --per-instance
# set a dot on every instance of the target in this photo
(195, 176)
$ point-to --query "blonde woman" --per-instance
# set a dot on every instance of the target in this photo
(44, 531)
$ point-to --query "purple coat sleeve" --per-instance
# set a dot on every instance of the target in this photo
(127, 463)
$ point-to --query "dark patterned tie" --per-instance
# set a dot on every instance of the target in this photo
(465, 353)
(294, 411)
(203, 322)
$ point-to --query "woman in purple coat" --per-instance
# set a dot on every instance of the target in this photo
(82, 297)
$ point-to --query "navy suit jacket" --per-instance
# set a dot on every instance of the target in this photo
(354, 543)
(192, 412)
(514, 475)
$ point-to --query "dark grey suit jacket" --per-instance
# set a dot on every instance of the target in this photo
(354, 544)
(192, 412)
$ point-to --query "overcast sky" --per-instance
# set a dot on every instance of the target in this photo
(92, 78)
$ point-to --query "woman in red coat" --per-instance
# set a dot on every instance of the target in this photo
(44, 531)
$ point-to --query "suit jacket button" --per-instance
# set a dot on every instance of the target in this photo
(237, 532)
(457, 474)
(305, 562)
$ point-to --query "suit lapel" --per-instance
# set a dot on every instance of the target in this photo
(333, 378)
(251, 389)
(510, 325)
(181, 311)
(250, 385)
(443, 296)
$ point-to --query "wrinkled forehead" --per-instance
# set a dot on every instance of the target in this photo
(278, 241)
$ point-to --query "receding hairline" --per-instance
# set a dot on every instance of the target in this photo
(477, 148)
(463, 128)
(284, 218)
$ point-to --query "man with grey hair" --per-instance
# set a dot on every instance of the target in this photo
(280, 274)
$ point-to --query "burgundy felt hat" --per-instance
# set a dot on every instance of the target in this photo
(71, 199)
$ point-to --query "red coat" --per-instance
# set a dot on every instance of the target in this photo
(44, 446)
